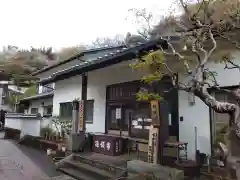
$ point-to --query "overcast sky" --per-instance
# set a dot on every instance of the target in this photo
(62, 23)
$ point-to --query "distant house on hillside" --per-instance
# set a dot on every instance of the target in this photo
(6, 92)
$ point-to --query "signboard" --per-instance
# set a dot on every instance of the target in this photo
(107, 145)
(155, 113)
(81, 115)
(153, 145)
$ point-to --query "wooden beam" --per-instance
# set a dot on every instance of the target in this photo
(84, 97)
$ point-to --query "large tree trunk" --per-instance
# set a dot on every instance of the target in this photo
(233, 110)
(210, 101)
(223, 107)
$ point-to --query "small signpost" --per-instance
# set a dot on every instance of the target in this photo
(153, 145)
(81, 115)
(154, 133)
(118, 113)
(158, 133)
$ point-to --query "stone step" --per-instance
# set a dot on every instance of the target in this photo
(84, 168)
(89, 169)
(77, 174)
(158, 171)
(99, 163)
(62, 177)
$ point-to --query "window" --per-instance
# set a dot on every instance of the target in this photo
(47, 88)
(66, 110)
(89, 111)
(4, 101)
(47, 110)
(34, 110)
(135, 117)
(114, 123)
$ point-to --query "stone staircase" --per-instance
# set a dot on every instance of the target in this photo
(82, 168)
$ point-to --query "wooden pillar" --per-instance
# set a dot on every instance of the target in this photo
(153, 147)
(163, 128)
(82, 109)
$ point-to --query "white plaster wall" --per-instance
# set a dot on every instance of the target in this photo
(194, 116)
(37, 104)
(28, 126)
(69, 89)
(13, 123)
(66, 91)
(97, 83)
(198, 114)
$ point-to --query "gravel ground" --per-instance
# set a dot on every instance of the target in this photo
(22, 163)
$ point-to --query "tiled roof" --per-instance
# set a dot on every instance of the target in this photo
(89, 62)
(118, 55)
(75, 57)
(38, 96)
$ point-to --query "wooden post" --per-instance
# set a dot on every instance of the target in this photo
(47, 134)
(84, 101)
(158, 133)
(153, 147)
(81, 116)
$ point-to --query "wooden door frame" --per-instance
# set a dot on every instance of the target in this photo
(174, 112)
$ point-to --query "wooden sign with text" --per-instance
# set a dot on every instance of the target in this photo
(81, 115)
(155, 113)
(153, 145)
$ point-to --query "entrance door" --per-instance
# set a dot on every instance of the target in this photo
(172, 99)
(114, 116)
(128, 114)
(119, 117)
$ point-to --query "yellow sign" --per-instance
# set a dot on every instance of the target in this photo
(81, 115)
(155, 113)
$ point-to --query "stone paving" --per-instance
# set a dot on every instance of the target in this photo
(15, 165)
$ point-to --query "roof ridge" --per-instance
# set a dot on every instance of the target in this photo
(74, 57)
(149, 45)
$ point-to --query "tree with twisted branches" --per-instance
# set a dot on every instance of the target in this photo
(201, 32)
(18, 64)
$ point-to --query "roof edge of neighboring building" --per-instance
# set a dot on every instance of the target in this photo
(74, 57)
(38, 96)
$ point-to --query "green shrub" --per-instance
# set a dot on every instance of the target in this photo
(46, 130)
(221, 134)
